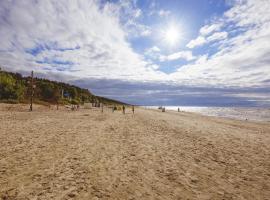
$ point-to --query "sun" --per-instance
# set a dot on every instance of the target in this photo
(172, 35)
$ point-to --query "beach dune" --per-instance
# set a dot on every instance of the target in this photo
(86, 154)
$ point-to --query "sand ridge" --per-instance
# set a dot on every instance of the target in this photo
(86, 154)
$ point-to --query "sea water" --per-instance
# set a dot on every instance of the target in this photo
(242, 113)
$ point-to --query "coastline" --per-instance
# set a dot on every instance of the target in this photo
(256, 114)
(87, 154)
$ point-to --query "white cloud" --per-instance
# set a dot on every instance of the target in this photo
(217, 36)
(94, 39)
(164, 13)
(200, 40)
(153, 66)
(201, 59)
(242, 60)
(129, 15)
(135, 29)
(152, 49)
(77, 38)
(146, 33)
(186, 55)
(207, 29)
(153, 53)
(154, 10)
(138, 13)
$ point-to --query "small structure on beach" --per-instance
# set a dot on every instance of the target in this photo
(87, 105)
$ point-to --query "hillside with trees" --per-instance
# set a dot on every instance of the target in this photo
(14, 88)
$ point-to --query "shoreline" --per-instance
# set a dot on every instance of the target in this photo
(235, 113)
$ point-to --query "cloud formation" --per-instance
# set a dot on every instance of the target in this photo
(241, 59)
(200, 40)
(75, 40)
(207, 29)
(186, 55)
(155, 93)
(78, 38)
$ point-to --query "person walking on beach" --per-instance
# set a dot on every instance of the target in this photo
(178, 109)
(124, 109)
(133, 109)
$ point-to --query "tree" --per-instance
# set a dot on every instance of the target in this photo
(10, 88)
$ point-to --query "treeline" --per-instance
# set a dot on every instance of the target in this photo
(14, 88)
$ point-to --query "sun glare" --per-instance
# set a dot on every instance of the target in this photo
(172, 35)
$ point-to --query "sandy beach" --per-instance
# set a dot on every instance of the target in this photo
(86, 154)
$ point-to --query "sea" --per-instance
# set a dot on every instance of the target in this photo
(241, 113)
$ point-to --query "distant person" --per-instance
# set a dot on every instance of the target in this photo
(133, 109)
(124, 109)
(178, 109)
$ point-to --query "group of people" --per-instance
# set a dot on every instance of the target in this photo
(73, 107)
(163, 109)
(124, 109)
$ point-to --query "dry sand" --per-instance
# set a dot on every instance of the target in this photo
(86, 154)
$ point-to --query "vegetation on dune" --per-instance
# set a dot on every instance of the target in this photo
(14, 88)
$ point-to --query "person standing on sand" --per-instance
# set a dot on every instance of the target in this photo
(133, 109)
(178, 109)
(124, 109)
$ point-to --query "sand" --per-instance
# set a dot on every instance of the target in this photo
(86, 154)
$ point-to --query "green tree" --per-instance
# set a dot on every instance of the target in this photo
(10, 88)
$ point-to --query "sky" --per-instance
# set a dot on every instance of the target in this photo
(144, 52)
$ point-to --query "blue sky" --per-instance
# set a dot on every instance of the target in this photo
(184, 52)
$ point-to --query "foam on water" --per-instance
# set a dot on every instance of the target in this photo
(242, 113)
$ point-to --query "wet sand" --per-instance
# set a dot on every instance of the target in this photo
(86, 154)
